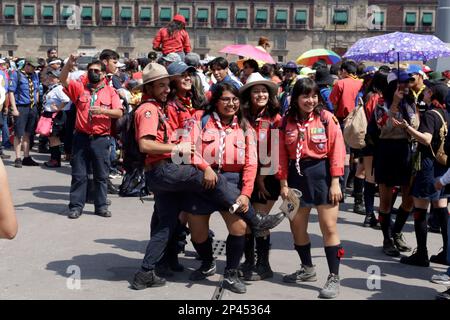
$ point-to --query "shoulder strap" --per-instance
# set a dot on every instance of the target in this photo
(442, 135)
(205, 120)
(440, 116)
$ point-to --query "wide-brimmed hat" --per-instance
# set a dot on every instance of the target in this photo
(152, 72)
(255, 79)
(323, 77)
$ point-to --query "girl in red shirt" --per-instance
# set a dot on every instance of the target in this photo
(312, 155)
(173, 38)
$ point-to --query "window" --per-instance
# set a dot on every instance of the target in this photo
(165, 15)
(28, 12)
(378, 18)
(126, 13)
(261, 16)
(185, 13)
(202, 15)
(86, 13)
(146, 14)
(427, 19)
(86, 38)
(9, 12)
(410, 19)
(222, 16)
(202, 41)
(241, 39)
(106, 13)
(10, 38)
(281, 17)
(126, 39)
(280, 42)
(47, 12)
(66, 12)
(241, 16)
(300, 17)
(48, 39)
(340, 16)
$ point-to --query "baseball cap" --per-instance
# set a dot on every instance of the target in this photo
(192, 59)
(401, 75)
(291, 65)
(179, 67)
(415, 69)
(54, 73)
(171, 57)
(32, 61)
(179, 18)
(426, 69)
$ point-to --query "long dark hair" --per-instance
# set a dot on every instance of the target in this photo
(217, 93)
(198, 98)
(272, 108)
(388, 95)
(303, 86)
(174, 26)
(378, 83)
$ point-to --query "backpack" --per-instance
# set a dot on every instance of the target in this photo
(441, 156)
(355, 127)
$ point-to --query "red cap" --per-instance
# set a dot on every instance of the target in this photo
(426, 69)
(179, 18)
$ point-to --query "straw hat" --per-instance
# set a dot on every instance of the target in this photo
(151, 73)
(255, 79)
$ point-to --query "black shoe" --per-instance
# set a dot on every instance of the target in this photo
(400, 242)
(208, 268)
(419, 259)
(259, 272)
(440, 258)
(18, 163)
(245, 268)
(162, 270)
(266, 222)
(359, 208)
(29, 162)
(232, 282)
(74, 214)
(175, 265)
(103, 213)
(52, 163)
(145, 279)
(390, 249)
(371, 221)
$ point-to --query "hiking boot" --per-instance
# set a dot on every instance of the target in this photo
(305, 274)
(259, 272)
(265, 222)
(419, 259)
(145, 279)
(400, 242)
(18, 163)
(444, 295)
(442, 278)
(52, 163)
(29, 162)
(331, 288)
(390, 249)
(232, 282)
(208, 268)
(371, 221)
(105, 213)
(440, 258)
(74, 214)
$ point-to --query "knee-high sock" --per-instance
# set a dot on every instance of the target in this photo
(400, 220)
(334, 255)
(304, 252)
(421, 229)
(235, 249)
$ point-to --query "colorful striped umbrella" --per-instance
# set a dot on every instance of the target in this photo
(311, 56)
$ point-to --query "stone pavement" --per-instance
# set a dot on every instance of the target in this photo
(50, 251)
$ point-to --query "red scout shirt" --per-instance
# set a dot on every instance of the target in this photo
(263, 124)
(83, 97)
(239, 154)
(178, 42)
(343, 96)
(150, 120)
(321, 141)
(179, 115)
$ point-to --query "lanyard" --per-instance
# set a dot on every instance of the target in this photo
(94, 98)
(301, 131)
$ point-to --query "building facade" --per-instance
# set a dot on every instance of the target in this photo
(30, 27)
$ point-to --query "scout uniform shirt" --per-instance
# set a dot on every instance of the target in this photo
(84, 98)
(180, 112)
(150, 120)
(226, 148)
(25, 88)
(319, 137)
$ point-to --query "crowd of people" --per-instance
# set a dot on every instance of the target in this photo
(209, 135)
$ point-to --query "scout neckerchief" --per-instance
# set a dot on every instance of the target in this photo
(301, 126)
(30, 88)
(353, 77)
(223, 134)
(186, 102)
(162, 119)
(94, 98)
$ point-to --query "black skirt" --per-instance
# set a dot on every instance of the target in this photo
(423, 186)
(272, 185)
(392, 162)
(314, 183)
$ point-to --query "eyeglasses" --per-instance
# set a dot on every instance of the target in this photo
(97, 71)
(228, 100)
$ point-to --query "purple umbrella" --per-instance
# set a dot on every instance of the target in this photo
(398, 46)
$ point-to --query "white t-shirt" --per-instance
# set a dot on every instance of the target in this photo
(56, 96)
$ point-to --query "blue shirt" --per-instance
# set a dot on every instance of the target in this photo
(325, 93)
(21, 90)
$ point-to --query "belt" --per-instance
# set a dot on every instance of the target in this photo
(154, 165)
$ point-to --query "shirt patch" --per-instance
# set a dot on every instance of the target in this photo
(265, 125)
(148, 114)
(317, 137)
(317, 130)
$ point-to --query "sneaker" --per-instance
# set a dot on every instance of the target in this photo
(305, 274)
(444, 295)
(145, 279)
(400, 242)
(331, 288)
(52, 164)
(208, 268)
(265, 222)
(18, 163)
(371, 221)
(74, 214)
(259, 272)
(232, 282)
(442, 278)
(440, 258)
(390, 249)
(419, 259)
(103, 213)
(29, 162)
